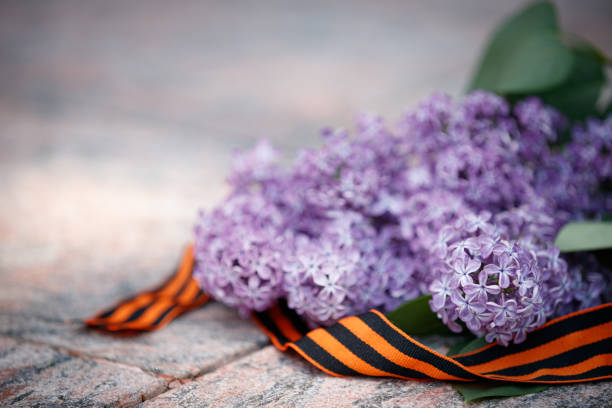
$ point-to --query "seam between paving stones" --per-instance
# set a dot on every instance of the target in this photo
(36, 316)
(168, 380)
(231, 358)
(78, 354)
(85, 356)
(181, 382)
(207, 372)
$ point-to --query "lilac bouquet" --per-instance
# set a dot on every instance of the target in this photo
(460, 200)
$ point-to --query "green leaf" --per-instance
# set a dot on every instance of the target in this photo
(416, 317)
(576, 102)
(467, 346)
(474, 391)
(577, 97)
(458, 346)
(607, 111)
(526, 55)
(584, 236)
(537, 63)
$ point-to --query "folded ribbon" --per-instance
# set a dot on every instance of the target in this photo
(153, 309)
(573, 348)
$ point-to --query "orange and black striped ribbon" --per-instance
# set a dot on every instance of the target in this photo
(155, 308)
(573, 348)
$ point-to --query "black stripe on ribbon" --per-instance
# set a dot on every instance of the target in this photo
(139, 312)
(164, 314)
(271, 326)
(539, 337)
(413, 350)
(296, 321)
(566, 359)
(599, 372)
(322, 357)
(370, 355)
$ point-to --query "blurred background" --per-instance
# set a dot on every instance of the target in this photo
(118, 118)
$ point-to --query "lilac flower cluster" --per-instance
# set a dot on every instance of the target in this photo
(493, 284)
(461, 200)
(573, 179)
(238, 252)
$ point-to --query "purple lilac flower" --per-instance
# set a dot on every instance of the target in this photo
(461, 199)
(538, 125)
(505, 279)
(483, 287)
(338, 273)
(575, 179)
(494, 292)
(589, 284)
(258, 165)
(563, 288)
(239, 250)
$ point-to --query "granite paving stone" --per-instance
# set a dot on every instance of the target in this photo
(269, 378)
(194, 344)
(79, 233)
(38, 376)
(88, 215)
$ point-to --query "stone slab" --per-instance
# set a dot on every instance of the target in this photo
(195, 343)
(88, 215)
(83, 224)
(269, 378)
(38, 376)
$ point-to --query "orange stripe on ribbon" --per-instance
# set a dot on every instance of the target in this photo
(550, 349)
(384, 348)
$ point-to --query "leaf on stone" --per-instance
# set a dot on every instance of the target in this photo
(478, 390)
(467, 346)
(416, 317)
(475, 391)
(584, 236)
(458, 346)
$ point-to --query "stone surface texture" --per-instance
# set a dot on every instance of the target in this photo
(118, 124)
(269, 378)
(37, 375)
